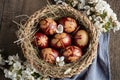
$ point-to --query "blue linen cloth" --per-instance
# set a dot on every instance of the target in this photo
(100, 68)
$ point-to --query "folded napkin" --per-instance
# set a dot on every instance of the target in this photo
(100, 68)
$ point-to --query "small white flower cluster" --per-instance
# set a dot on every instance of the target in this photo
(98, 11)
(59, 28)
(60, 61)
(60, 2)
(103, 17)
(20, 70)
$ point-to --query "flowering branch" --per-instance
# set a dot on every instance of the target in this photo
(19, 70)
(98, 11)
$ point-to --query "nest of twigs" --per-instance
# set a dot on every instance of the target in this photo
(26, 34)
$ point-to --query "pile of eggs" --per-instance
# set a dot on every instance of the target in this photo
(63, 37)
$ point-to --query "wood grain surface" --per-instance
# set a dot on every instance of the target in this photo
(9, 9)
(114, 46)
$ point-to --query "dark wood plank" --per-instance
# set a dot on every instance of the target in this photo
(1, 10)
(31, 6)
(114, 46)
(12, 8)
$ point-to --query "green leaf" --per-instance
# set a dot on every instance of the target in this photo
(19, 72)
(103, 16)
(107, 26)
(11, 68)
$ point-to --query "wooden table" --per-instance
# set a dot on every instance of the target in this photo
(11, 8)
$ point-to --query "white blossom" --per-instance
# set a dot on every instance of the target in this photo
(17, 65)
(20, 70)
(117, 26)
(60, 61)
(74, 3)
(93, 1)
(59, 29)
(90, 18)
(12, 59)
(59, 2)
(86, 7)
(88, 12)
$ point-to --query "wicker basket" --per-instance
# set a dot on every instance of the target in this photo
(31, 54)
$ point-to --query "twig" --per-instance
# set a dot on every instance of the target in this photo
(22, 16)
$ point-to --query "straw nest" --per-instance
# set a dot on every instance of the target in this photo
(26, 33)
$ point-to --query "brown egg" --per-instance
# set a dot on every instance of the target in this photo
(49, 55)
(72, 53)
(69, 24)
(48, 26)
(61, 40)
(81, 38)
(41, 40)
